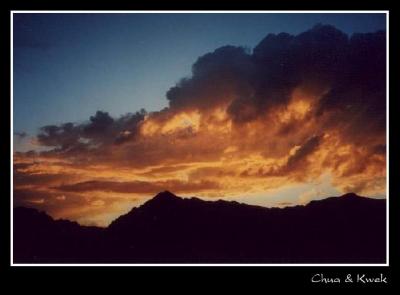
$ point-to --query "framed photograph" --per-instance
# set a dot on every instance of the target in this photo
(201, 138)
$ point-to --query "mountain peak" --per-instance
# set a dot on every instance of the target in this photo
(351, 195)
(165, 195)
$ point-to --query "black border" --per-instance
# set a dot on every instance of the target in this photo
(243, 278)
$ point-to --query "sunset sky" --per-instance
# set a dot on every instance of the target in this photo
(266, 109)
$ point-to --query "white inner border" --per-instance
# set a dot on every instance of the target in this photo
(209, 12)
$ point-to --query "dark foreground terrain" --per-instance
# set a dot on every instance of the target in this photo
(170, 229)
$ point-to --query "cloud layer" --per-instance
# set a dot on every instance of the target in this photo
(290, 111)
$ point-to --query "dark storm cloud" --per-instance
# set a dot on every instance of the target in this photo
(216, 77)
(99, 125)
(255, 82)
(358, 93)
(101, 130)
(352, 68)
(63, 136)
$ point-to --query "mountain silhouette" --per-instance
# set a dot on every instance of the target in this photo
(170, 229)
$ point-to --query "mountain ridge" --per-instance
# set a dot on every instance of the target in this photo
(171, 229)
